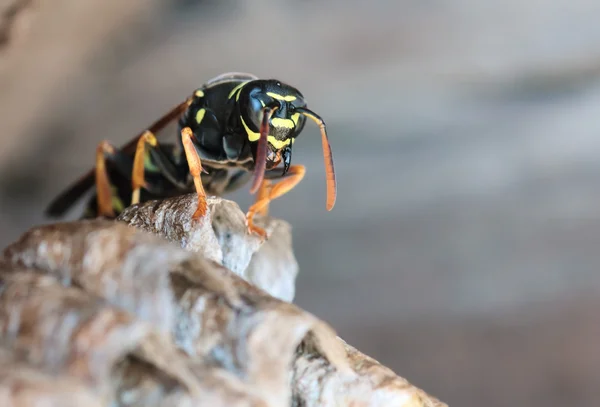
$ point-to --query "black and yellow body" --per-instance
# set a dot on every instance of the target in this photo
(234, 126)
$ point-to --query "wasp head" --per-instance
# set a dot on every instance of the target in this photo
(273, 114)
(280, 101)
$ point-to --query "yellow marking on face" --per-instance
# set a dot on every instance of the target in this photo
(287, 98)
(295, 118)
(278, 144)
(236, 89)
(199, 93)
(279, 122)
(252, 135)
(262, 103)
(200, 115)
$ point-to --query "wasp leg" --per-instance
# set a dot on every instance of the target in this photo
(195, 170)
(159, 158)
(137, 176)
(263, 193)
(292, 178)
(103, 192)
(68, 197)
(107, 152)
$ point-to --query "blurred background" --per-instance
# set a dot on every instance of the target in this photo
(463, 251)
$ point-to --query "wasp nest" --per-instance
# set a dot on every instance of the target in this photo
(158, 310)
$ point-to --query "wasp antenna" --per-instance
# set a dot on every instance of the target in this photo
(261, 149)
(327, 156)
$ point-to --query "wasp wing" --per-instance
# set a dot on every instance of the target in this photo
(229, 77)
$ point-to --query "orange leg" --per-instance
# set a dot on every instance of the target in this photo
(293, 177)
(263, 193)
(103, 190)
(138, 180)
(195, 170)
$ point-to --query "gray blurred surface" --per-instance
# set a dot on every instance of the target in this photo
(463, 248)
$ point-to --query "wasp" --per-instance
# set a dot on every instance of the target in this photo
(233, 129)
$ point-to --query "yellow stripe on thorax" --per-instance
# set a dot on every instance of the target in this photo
(200, 115)
(237, 90)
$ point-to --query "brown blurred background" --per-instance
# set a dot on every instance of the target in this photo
(464, 249)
